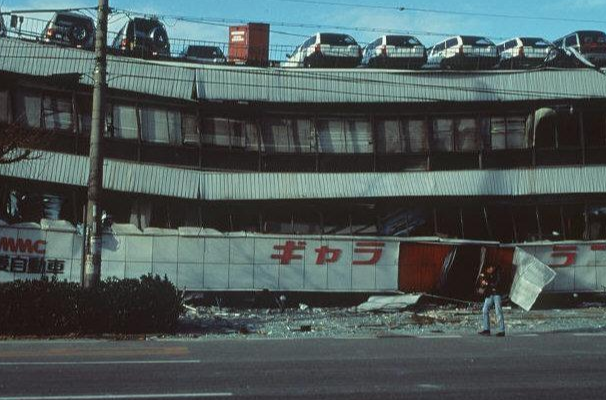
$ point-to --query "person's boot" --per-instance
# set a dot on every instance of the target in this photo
(484, 333)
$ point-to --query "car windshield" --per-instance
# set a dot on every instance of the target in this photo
(336, 39)
(145, 25)
(403, 41)
(204, 52)
(476, 41)
(592, 38)
(69, 20)
(535, 42)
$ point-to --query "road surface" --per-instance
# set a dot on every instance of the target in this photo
(547, 366)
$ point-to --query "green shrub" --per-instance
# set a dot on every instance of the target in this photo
(50, 307)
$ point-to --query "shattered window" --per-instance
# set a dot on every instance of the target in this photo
(500, 222)
(573, 218)
(331, 136)
(215, 132)
(525, 218)
(467, 135)
(303, 136)
(57, 113)
(189, 129)
(277, 135)
(28, 108)
(508, 133)
(597, 222)
(442, 134)
(551, 223)
(5, 106)
(160, 125)
(125, 121)
(416, 135)
(594, 126)
(358, 136)
(389, 139)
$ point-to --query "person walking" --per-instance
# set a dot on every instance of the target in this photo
(489, 288)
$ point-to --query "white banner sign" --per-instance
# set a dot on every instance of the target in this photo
(226, 262)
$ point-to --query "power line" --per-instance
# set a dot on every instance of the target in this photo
(447, 12)
(381, 30)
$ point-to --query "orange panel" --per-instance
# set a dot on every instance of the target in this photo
(420, 266)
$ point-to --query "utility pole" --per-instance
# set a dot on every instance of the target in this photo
(91, 269)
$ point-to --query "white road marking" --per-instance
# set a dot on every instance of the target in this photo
(429, 386)
(441, 337)
(528, 335)
(590, 334)
(121, 396)
(43, 363)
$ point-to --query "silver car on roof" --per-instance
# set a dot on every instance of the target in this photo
(394, 51)
(463, 52)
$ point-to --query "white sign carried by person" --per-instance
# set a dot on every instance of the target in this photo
(531, 277)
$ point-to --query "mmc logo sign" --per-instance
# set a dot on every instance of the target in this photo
(24, 246)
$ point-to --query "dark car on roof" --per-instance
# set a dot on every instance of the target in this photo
(204, 54)
(144, 38)
(70, 29)
(589, 44)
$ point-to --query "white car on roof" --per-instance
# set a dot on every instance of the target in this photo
(463, 52)
(394, 51)
(523, 52)
(326, 50)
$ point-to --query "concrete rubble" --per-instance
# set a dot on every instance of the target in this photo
(304, 321)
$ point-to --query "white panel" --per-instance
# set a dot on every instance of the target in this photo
(386, 273)
(564, 280)
(291, 277)
(358, 136)
(166, 269)
(174, 127)
(191, 250)
(266, 276)
(442, 134)
(303, 136)
(467, 135)
(113, 269)
(57, 113)
(139, 248)
(585, 279)
(59, 245)
(277, 135)
(215, 131)
(216, 276)
(165, 249)
(252, 136)
(264, 249)
(241, 276)
(316, 276)
(78, 242)
(216, 251)
(339, 273)
(242, 251)
(136, 270)
(190, 276)
(601, 277)
(363, 277)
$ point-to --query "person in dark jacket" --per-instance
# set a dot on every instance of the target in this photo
(489, 288)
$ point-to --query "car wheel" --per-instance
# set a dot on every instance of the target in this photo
(79, 35)
(160, 42)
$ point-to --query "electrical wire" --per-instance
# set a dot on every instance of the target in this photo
(446, 12)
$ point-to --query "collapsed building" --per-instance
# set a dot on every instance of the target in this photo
(509, 158)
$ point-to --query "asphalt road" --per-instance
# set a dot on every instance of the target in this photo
(550, 366)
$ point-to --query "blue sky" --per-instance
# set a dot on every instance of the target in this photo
(292, 12)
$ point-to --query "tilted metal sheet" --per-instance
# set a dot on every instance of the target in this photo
(183, 183)
(44, 60)
(371, 86)
(123, 73)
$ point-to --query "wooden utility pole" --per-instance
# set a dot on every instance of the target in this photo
(91, 270)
